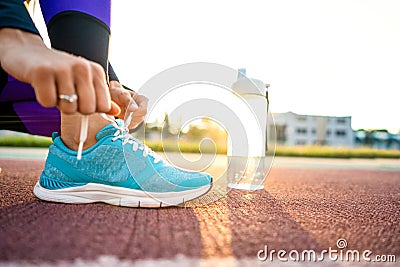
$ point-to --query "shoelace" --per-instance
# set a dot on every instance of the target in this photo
(123, 133)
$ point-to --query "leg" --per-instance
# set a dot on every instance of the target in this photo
(21, 112)
(80, 27)
(118, 169)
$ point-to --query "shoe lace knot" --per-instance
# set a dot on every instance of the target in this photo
(123, 133)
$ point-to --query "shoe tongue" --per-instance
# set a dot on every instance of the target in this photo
(108, 130)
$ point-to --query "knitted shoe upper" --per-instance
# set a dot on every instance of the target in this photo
(117, 159)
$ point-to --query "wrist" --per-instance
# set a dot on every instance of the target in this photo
(11, 38)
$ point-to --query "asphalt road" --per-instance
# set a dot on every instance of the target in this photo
(303, 207)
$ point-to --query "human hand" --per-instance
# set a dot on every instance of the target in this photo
(51, 73)
(124, 98)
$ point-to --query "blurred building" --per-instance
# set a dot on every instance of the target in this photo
(379, 139)
(296, 129)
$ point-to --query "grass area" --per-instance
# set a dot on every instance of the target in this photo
(335, 152)
(25, 141)
(187, 147)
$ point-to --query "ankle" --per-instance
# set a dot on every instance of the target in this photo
(73, 143)
(70, 130)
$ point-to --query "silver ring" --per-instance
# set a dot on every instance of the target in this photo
(69, 98)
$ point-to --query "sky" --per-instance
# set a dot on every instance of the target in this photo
(321, 57)
(338, 58)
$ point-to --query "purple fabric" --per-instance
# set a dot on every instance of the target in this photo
(99, 9)
(37, 119)
(16, 91)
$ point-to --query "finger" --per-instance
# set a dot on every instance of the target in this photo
(132, 107)
(124, 113)
(44, 84)
(103, 98)
(65, 86)
(140, 109)
(135, 122)
(139, 112)
(115, 109)
(84, 87)
(123, 98)
(142, 102)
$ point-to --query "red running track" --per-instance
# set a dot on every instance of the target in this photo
(301, 208)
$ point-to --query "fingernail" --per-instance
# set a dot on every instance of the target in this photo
(115, 110)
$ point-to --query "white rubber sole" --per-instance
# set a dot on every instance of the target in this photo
(117, 196)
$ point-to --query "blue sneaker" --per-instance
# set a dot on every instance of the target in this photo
(118, 170)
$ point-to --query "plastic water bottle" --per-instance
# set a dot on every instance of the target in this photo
(246, 155)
